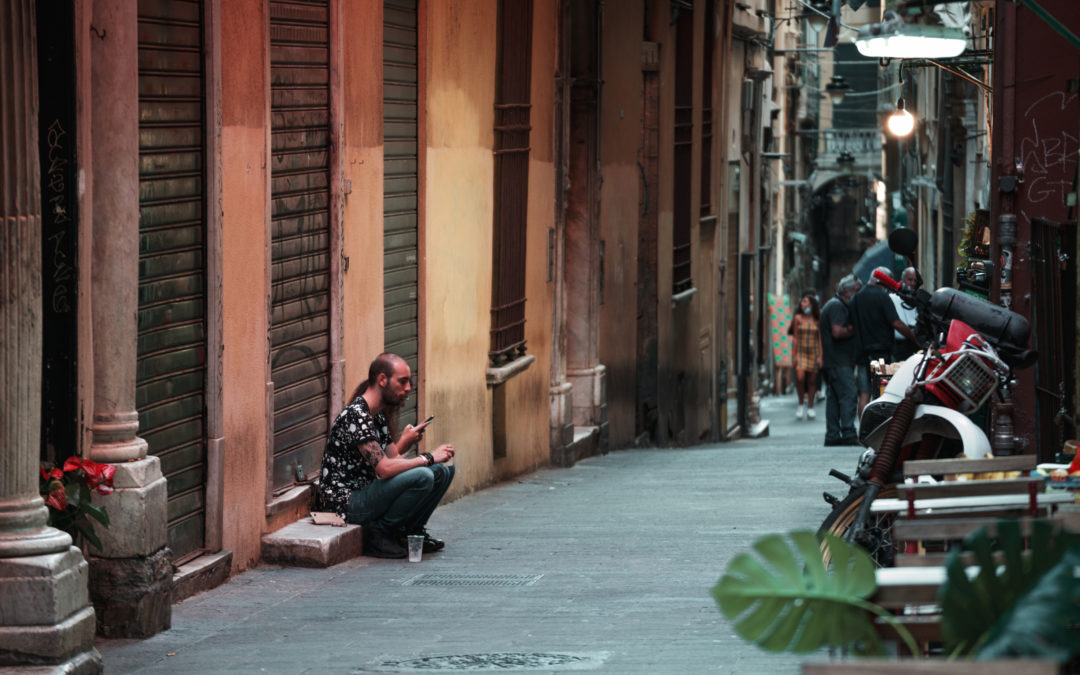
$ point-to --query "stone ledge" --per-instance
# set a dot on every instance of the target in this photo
(496, 376)
(305, 544)
(201, 574)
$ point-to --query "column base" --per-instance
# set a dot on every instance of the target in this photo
(138, 511)
(561, 398)
(44, 618)
(590, 403)
(132, 596)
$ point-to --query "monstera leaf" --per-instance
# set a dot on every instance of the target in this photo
(789, 601)
(1029, 605)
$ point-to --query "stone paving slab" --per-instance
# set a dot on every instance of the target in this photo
(621, 549)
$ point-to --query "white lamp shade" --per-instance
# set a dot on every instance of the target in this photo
(897, 39)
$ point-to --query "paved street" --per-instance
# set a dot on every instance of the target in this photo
(602, 567)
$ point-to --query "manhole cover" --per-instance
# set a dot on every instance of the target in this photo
(500, 661)
(473, 580)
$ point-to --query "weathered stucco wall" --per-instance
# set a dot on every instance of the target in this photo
(456, 235)
(526, 411)
(362, 160)
(244, 242)
(621, 110)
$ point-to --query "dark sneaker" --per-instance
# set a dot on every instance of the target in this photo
(431, 544)
(850, 440)
(379, 545)
(830, 442)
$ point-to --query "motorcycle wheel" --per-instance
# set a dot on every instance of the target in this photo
(839, 521)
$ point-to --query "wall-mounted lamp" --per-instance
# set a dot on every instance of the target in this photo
(816, 14)
(894, 38)
(836, 88)
(901, 122)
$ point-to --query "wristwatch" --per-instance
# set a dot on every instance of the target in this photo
(429, 457)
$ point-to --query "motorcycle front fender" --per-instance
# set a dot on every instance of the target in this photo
(938, 420)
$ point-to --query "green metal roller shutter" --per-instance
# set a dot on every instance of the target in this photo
(300, 179)
(400, 251)
(171, 373)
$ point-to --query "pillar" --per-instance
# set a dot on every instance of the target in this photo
(44, 617)
(131, 577)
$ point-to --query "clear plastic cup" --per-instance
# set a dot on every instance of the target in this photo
(416, 547)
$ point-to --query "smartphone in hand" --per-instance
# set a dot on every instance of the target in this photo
(425, 422)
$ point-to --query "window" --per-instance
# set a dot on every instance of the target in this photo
(512, 126)
(684, 132)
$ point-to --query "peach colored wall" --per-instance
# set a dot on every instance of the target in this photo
(362, 157)
(244, 241)
(457, 235)
(621, 110)
(527, 393)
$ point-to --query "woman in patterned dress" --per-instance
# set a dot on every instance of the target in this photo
(807, 353)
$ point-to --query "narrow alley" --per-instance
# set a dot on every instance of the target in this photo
(605, 566)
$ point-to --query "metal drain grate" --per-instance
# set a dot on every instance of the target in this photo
(500, 661)
(473, 580)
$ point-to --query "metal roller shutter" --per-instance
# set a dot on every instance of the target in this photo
(400, 184)
(300, 179)
(171, 374)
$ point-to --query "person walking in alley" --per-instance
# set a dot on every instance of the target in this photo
(874, 317)
(903, 347)
(367, 479)
(807, 353)
(838, 363)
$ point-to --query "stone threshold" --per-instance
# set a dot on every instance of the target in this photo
(305, 544)
(201, 574)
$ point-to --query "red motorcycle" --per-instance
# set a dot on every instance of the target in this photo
(971, 348)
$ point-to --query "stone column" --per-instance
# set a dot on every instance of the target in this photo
(583, 368)
(44, 617)
(131, 577)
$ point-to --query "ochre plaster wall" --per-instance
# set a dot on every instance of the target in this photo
(244, 243)
(527, 393)
(621, 109)
(362, 159)
(456, 234)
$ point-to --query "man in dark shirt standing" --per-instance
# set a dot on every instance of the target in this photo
(874, 316)
(366, 477)
(838, 362)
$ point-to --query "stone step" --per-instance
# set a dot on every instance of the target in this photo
(305, 544)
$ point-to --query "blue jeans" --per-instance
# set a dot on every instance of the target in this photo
(841, 402)
(402, 503)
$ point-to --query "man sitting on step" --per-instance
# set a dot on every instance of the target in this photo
(365, 476)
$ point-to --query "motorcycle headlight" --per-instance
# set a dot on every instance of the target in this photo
(971, 381)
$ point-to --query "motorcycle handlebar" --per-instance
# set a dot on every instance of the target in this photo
(887, 281)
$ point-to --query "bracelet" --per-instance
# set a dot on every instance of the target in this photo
(429, 457)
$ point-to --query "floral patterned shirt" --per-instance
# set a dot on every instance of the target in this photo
(344, 467)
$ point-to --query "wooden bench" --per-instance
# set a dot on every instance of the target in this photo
(982, 500)
(913, 588)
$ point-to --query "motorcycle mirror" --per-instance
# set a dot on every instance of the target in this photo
(903, 241)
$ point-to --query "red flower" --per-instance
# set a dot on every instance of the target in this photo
(72, 463)
(57, 498)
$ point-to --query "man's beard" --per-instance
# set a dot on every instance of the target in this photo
(392, 401)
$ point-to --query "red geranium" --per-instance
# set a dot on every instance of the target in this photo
(67, 494)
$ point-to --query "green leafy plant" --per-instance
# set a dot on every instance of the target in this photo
(67, 493)
(798, 604)
(1016, 601)
(1026, 604)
